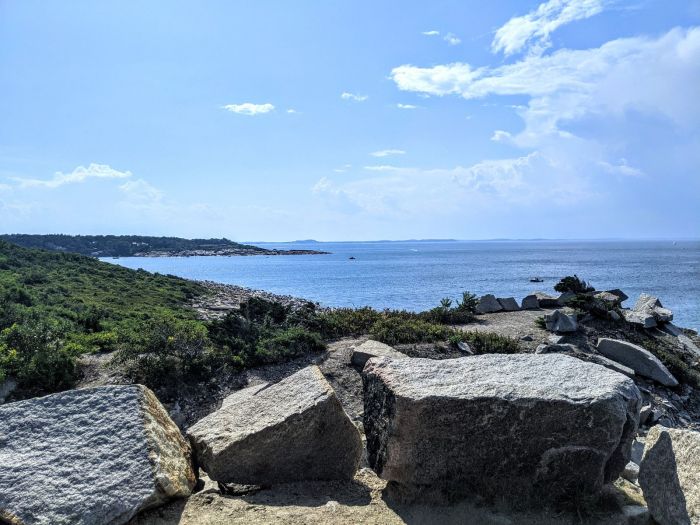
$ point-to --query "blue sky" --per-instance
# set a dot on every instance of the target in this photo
(273, 120)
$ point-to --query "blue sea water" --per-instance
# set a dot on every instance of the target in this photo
(415, 275)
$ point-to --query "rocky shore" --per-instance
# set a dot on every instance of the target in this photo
(584, 425)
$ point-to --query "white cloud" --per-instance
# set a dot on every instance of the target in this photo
(406, 106)
(79, 174)
(382, 167)
(501, 136)
(353, 96)
(141, 190)
(621, 169)
(451, 39)
(248, 108)
(649, 75)
(387, 152)
(343, 168)
(431, 33)
(292, 111)
(532, 31)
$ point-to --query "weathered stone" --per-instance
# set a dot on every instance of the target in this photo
(465, 348)
(92, 456)
(614, 316)
(556, 339)
(565, 297)
(540, 425)
(370, 349)
(645, 320)
(621, 296)
(509, 304)
(608, 297)
(560, 322)
(293, 430)
(488, 304)
(530, 302)
(545, 348)
(546, 300)
(670, 475)
(610, 364)
(644, 414)
(686, 341)
(636, 515)
(631, 472)
(650, 305)
(637, 358)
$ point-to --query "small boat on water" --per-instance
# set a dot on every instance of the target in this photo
(536, 280)
(351, 258)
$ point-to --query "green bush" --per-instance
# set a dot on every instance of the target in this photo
(396, 330)
(288, 344)
(489, 343)
(572, 283)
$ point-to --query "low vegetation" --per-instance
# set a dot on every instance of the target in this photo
(56, 307)
(573, 284)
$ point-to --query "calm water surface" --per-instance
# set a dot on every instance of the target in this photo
(416, 275)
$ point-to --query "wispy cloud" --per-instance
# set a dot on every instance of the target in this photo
(249, 108)
(387, 152)
(343, 168)
(532, 31)
(431, 33)
(353, 96)
(79, 174)
(451, 39)
(406, 106)
(382, 167)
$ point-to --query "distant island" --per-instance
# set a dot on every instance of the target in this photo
(143, 246)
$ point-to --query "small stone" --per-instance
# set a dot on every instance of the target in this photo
(636, 515)
(614, 316)
(370, 349)
(644, 414)
(631, 472)
(526, 338)
(560, 322)
(465, 348)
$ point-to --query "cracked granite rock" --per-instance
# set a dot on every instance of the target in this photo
(543, 428)
(93, 456)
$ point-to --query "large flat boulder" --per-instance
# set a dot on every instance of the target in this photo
(644, 320)
(637, 358)
(670, 475)
(92, 456)
(560, 322)
(370, 349)
(488, 304)
(539, 427)
(294, 430)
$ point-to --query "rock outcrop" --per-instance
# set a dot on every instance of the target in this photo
(530, 302)
(546, 300)
(637, 358)
(644, 320)
(670, 475)
(370, 349)
(488, 304)
(560, 322)
(92, 456)
(648, 304)
(509, 304)
(294, 430)
(536, 426)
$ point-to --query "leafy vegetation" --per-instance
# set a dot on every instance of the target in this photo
(573, 284)
(55, 307)
(122, 245)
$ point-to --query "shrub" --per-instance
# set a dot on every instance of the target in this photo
(342, 322)
(574, 284)
(288, 344)
(395, 330)
(468, 303)
(488, 343)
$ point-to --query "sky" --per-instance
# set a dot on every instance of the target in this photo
(356, 120)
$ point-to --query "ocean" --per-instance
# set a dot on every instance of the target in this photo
(415, 275)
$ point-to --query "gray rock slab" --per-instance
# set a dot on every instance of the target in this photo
(547, 301)
(509, 304)
(670, 475)
(294, 430)
(648, 304)
(370, 349)
(93, 456)
(560, 322)
(645, 320)
(488, 304)
(637, 358)
(530, 302)
(539, 425)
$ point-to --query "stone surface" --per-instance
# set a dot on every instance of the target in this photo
(530, 302)
(370, 349)
(631, 472)
(650, 305)
(636, 515)
(670, 475)
(464, 347)
(560, 322)
(6, 388)
(546, 300)
(537, 426)
(92, 456)
(552, 348)
(565, 297)
(621, 296)
(509, 304)
(645, 320)
(277, 433)
(488, 304)
(637, 358)
(608, 297)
